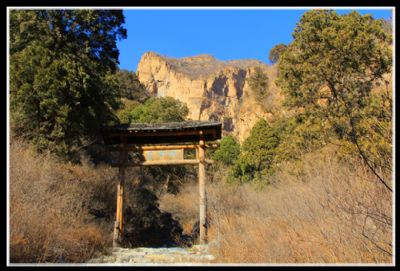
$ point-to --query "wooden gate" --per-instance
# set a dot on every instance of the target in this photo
(161, 145)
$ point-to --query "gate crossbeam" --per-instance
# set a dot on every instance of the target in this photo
(158, 137)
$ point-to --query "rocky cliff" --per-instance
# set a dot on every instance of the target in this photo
(212, 89)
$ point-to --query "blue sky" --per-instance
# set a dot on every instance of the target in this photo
(225, 34)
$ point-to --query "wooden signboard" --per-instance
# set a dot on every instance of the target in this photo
(163, 155)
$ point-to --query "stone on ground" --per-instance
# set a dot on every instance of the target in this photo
(197, 254)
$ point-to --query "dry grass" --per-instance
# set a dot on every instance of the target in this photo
(183, 206)
(321, 210)
(49, 208)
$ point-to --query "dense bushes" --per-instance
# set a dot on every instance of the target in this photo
(276, 52)
(61, 212)
(51, 204)
(228, 151)
(321, 208)
(257, 154)
(130, 87)
(158, 110)
(61, 85)
(331, 99)
(329, 72)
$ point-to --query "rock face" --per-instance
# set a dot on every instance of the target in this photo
(212, 89)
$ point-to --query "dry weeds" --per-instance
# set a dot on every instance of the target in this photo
(320, 210)
(49, 208)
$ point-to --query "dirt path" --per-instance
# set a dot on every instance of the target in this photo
(196, 255)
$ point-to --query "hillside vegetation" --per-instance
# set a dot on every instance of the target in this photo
(320, 209)
(311, 184)
(51, 204)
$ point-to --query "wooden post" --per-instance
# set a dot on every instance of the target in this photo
(121, 199)
(202, 190)
(118, 225)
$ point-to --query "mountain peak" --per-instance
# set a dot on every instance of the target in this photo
(199, 66)
(213, 90)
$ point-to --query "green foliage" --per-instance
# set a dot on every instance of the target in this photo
(130, 87)
(123, 113)
(133, 94)
(61, 84)
(159, 110)
(257, 154)
(299, 134)
(270, 144)
(328, 73)
(370, 133)
(228, 151)
(387, 26)
(258, 82)
(334, 58)
(276, 52)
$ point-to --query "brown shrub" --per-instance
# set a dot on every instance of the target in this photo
(183, 206)
(62, 212)
(50, 205)
(318, 210)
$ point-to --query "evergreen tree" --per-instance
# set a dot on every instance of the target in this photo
(61, 85)
(258, 82)
(130, 86)
(276, 52)
(159, 110)
(328, 72)
(228, 151)
(255, 162)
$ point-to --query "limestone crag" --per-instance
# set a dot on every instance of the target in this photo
(212, 89)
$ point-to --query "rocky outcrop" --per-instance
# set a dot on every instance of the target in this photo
(212, 89)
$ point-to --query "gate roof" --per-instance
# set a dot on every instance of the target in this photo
(163, 133)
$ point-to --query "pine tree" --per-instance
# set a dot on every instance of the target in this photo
(159, 110)
(276, 52)
(328, 73)
(228, 151)
(61, 88)
(255, 162)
